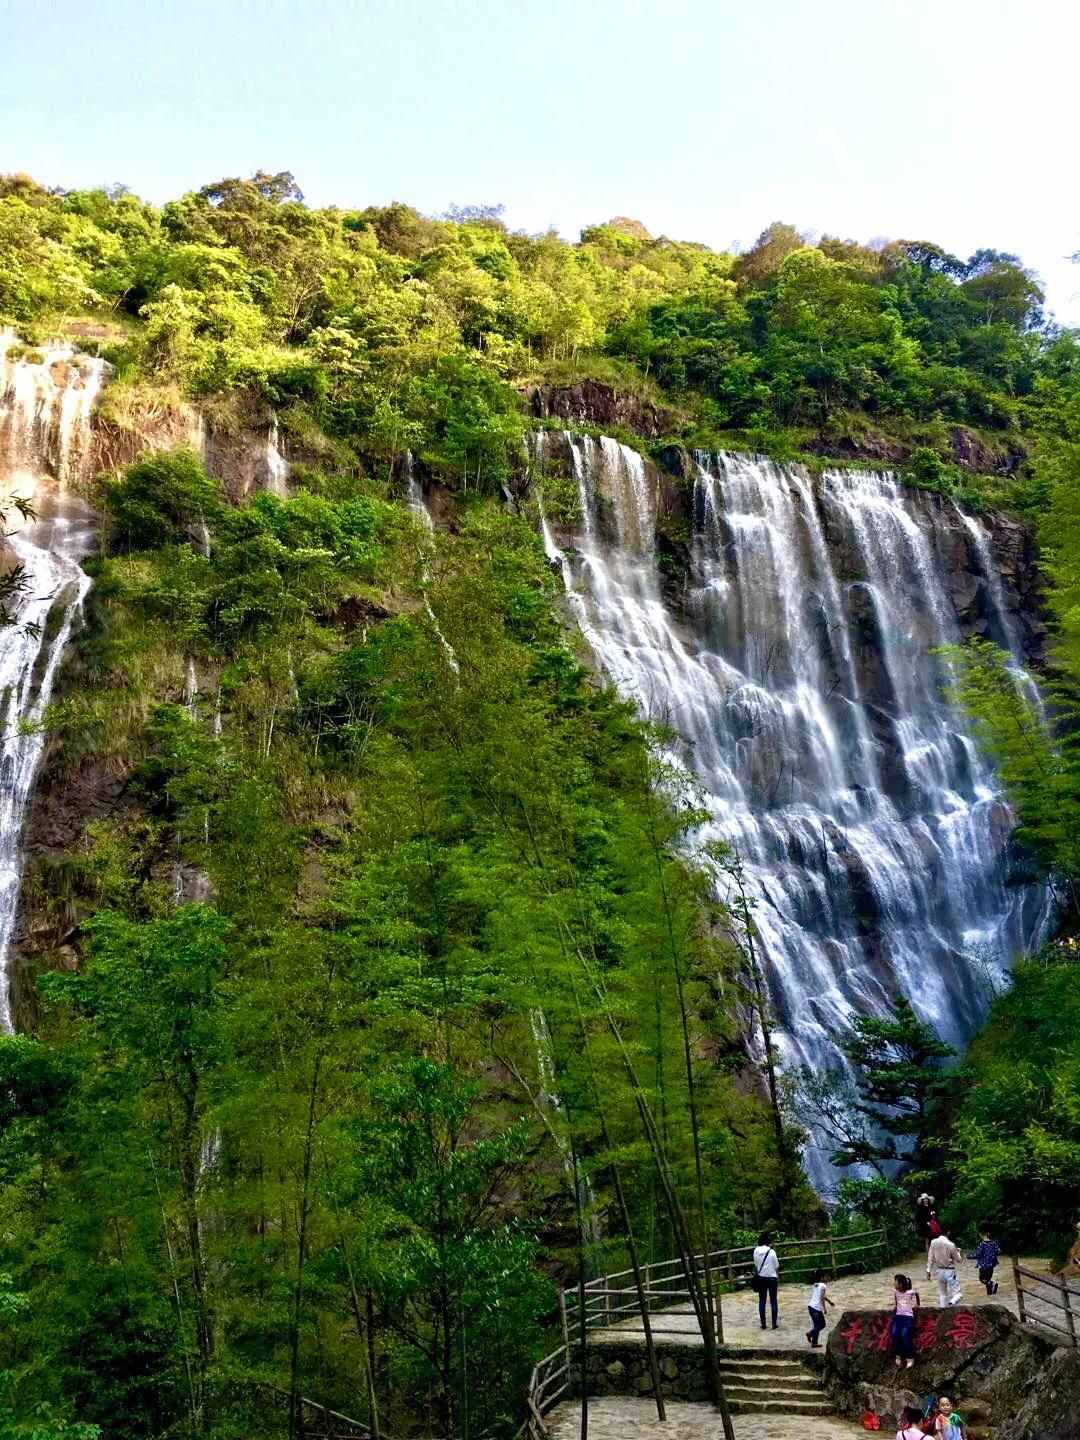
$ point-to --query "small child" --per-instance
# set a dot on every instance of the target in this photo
(905, 1303)
(910, 1426)
(986, 1257)
(816, 1306)
(948, 1425)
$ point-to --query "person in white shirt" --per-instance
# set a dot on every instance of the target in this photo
(767, 1278)
(942, 1261)
(816, 1305)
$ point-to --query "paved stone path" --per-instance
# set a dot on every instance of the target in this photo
(849, 1292)
(619, 1418)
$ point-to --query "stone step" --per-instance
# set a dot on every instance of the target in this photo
(763, 1362)
(747, 1380)
(798, 1406)
(778, 1377)
(782, 1391)
(767, 1367)
(768, 1355)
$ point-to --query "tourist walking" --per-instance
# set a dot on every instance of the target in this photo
(767, 1278)
(986, 1255)
(816, 1306)
(943, 1260)
(924, 1215)
(905, 1303)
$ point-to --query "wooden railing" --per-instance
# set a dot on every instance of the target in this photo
(1037, 1294)
(316, 1422)
(613, 1300)
(548, 1384)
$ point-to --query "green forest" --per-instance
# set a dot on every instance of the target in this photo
(372, 331)
(386, 1001)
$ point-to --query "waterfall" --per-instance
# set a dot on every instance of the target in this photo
(30, 652)
(275, 468)
(191, 687)
(414, 493)
(414, 498)
(46, 397)
(800, 680)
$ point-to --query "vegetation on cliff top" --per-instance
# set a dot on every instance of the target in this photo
(381, 329)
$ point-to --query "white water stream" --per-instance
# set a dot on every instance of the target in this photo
(275, 468)
(46, 398)
(809, 706)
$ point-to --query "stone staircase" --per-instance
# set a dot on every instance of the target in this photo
(768, 1382)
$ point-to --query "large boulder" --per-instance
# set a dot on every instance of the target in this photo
(1051, 1411)
(1010, 1380)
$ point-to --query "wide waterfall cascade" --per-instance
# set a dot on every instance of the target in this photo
(46, 398)
(800, 677)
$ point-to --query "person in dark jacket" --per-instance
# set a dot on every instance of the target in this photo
(986, 1255)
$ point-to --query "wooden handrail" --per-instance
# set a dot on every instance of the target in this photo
(1067, 1304)
(658, 1275)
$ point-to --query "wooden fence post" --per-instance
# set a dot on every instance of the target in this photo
(832, 1255)
(1069, 1314)
(1019, 1283)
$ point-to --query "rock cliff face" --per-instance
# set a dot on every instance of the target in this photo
(661, 521)
(597, 406)
(1009, 1382)
(591, 403)
(967, 448)
(243, 448)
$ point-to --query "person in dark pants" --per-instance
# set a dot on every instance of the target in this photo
(986, 1257)
(816, 1306)
(902, 1330)
(767, 1273)
(924, 1214)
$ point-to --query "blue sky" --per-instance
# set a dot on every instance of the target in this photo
(706, 119)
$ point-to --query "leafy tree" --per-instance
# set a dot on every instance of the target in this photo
(890, 1095)
(898, 1063)
(1015, 1136)
(457, 1277)
(161, 500)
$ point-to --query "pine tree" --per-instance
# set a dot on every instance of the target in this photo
(897, 1060)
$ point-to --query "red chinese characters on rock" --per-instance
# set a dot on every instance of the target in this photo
(851, 1333)
(881, 1334)
(926, 1331)
(947, 1329)
(962, 1332)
